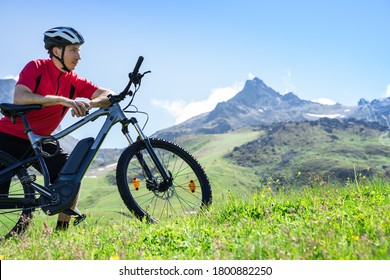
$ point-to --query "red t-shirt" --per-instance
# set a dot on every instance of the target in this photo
(43, 77)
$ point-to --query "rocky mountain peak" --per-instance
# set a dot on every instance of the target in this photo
(256, 93)
(363, 102)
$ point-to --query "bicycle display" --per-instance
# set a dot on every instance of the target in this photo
(156, 179)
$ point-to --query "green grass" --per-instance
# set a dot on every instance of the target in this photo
(331, 222)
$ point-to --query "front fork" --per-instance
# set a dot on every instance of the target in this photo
(167, 177)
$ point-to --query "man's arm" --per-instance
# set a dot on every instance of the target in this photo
(100, 98)
(23, 95)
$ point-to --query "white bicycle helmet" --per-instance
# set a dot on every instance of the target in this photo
(62, 36)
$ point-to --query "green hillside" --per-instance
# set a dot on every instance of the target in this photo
(298, 153)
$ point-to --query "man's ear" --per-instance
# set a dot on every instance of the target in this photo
(57, 51)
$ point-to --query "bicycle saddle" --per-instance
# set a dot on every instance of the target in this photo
(13, 110)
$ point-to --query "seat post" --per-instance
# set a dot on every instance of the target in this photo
(26, 124)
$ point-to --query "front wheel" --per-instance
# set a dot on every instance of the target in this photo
(144, 191)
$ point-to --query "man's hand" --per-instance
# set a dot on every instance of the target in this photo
(100, 98)
(79, 108)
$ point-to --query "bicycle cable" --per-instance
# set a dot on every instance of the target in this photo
(137, 111)
(132, 94)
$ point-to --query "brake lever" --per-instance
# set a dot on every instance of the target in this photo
(136, 78)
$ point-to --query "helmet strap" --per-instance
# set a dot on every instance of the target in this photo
(61, 59)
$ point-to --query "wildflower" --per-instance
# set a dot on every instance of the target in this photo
(355, 238)
(2, 257)
(114, 258)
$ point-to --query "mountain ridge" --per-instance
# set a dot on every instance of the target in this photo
(256, 104)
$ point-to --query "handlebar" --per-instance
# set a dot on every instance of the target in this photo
(135, 79)
(137, 66)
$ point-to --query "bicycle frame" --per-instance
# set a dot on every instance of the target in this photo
(114, 115)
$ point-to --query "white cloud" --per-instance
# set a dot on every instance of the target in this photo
(388, 91)
(288, 82)
(325, 101)
(183, 111)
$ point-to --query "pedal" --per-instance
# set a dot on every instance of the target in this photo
(79, 217)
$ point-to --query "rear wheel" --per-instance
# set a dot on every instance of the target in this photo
(144, 191)
(13, 221)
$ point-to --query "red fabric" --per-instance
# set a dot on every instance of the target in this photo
(53, 82)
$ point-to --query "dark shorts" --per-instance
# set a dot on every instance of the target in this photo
(20, 149)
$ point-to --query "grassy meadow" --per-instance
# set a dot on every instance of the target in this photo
(329, 222)
(249, 219)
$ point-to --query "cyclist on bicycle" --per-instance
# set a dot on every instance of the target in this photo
(53, 84)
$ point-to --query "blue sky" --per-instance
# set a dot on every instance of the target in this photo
(202, 52)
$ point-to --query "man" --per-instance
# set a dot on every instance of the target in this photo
(53, 84)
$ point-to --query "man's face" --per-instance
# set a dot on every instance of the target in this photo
(71, 55)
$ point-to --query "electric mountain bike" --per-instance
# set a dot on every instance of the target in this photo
(156, 179)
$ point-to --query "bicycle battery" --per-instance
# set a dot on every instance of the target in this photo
(66, 185)
(76, 157)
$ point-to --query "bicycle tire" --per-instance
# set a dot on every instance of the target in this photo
(14, 221)
(179, 198)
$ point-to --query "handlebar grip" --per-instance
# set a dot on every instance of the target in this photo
(138, 65)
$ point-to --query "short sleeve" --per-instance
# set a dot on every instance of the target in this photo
(85, 88)
(28, 75)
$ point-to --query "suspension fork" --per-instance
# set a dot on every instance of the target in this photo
(167, 178)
